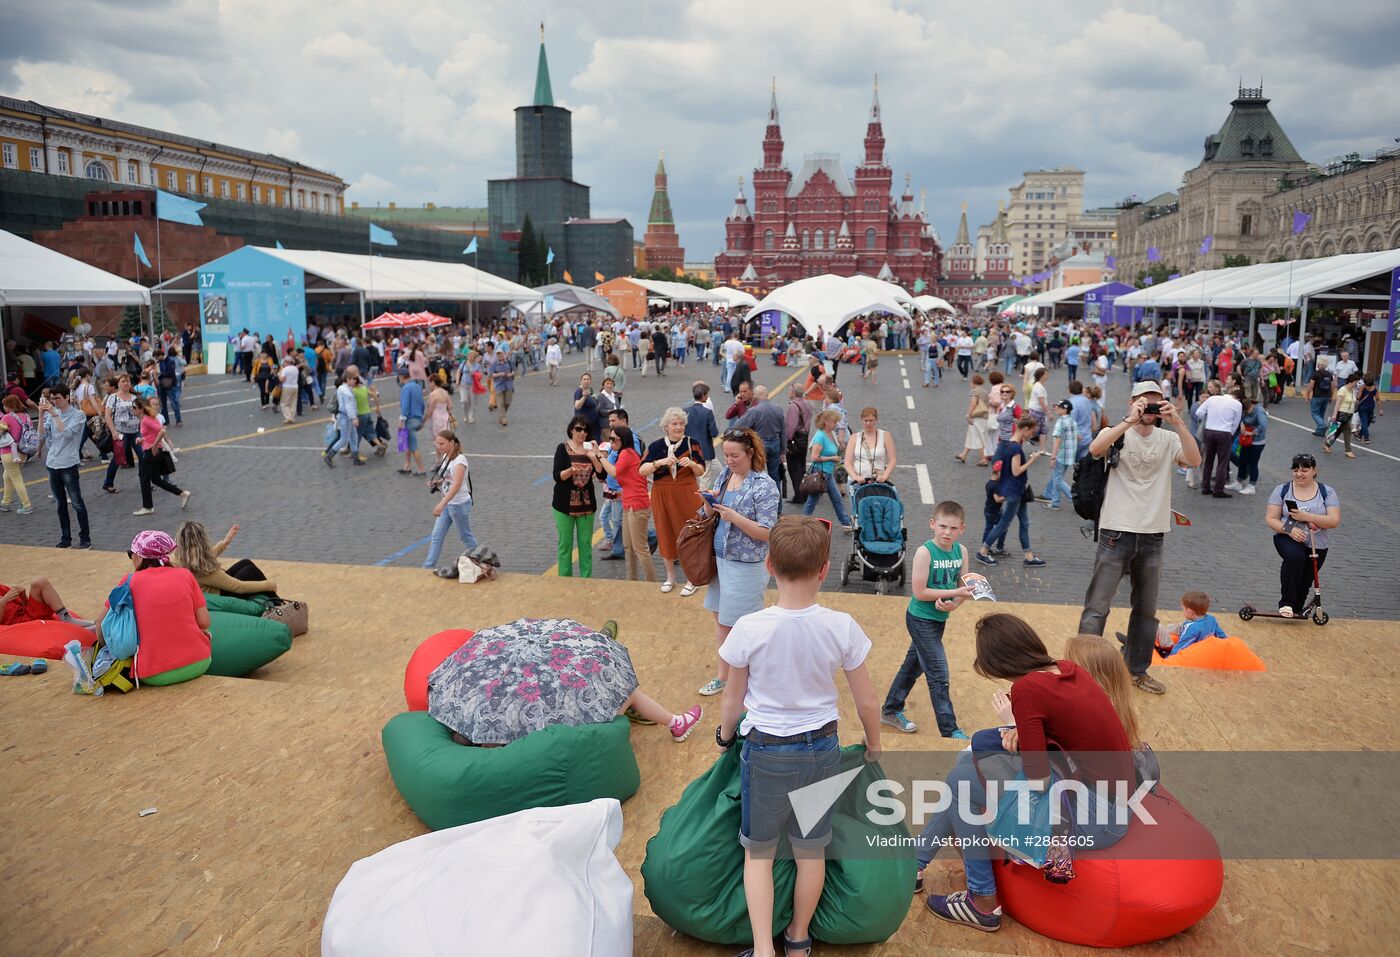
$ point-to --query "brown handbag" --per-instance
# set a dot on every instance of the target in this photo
(294, 614)
(813, 483)
(695, 547)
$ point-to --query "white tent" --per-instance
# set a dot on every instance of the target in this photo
(933, 304)
(383, 278)
(995, 301)
(678, 291)
(828, 301)
(1273, 285)
(34, 275)
(736, 297)
(1050, 297)
(893, 290)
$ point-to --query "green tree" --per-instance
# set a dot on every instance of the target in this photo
(1159, 273)
(1240, 260)
(532, 255)
(133, 323)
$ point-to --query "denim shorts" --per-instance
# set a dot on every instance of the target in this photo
(736, 590)
(768, 773)
(413, 423)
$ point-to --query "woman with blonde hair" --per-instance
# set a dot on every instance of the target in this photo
(823, 454)
(449, 480)
(193, 551)
(1104, 662)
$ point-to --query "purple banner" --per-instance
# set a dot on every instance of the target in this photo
(1392, 333)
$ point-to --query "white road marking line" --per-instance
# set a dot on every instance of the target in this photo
(914, 436)
(1357, 446)
(925, 484)
(217, 405)
(321, 448)
(906, 383)
(210, 395)
(909, 401)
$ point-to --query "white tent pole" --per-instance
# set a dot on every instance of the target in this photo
(1302, 341)
(362, 309)
(1251, 325)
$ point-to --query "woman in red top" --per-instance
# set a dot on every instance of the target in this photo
(636, 504)
(1051, 703)
(171, 618)
(154, 461)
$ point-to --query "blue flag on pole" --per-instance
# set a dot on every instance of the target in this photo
(381, 236)
(549, 256)
(141, 252)
(1206, 244)
(471, 247)
(920, 285)
(1175, 275)
(1110, 262)
(279, 244)
(1152, 254)
(1300, 221)
(177, 209)
(1148, 280)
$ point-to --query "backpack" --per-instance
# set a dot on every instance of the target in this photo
(27, 442)
(1090, 482)
(1324, 384)
(119, 624)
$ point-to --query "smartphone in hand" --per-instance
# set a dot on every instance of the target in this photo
(709, 498)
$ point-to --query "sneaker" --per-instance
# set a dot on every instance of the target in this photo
(1034, 562)
(610, 628)
(985, 559)
(73, 619)
(185, 499)
(1000, 553)
(1233, 486)
(1285, 611)
(1351, 455)
(24, 510)
(712, 687)
(897, 719)
(4, 508)
(685, 723)
(1221, 494)
(381, 449)
(328, 459)
(1053, 508)
(957, 908)
(1149, 684)
(958, 734)
(1247, 490)
(144, 511)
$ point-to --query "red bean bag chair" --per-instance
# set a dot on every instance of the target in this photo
(1157, 881)
(430, 654)
(1222, 654)
(42, 639)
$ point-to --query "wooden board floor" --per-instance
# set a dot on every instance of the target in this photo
(269, 788)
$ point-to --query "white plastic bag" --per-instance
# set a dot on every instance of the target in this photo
(538, 881)
(470, 571)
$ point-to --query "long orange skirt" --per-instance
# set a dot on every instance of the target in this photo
(673, 503)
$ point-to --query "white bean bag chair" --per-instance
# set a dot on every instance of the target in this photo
(544, 880)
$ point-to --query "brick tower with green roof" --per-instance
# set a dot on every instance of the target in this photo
(662, 245)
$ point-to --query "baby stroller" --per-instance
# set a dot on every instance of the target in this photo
(877, 548)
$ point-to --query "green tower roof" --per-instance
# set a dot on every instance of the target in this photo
(544, 94)
(660, 201)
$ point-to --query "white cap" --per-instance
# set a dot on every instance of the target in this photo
(1146, 386)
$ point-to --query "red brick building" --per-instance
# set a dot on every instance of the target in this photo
(820, 221)
(661, 244)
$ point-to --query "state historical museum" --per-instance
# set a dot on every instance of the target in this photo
(820, 221)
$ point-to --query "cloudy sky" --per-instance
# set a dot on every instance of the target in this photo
(412, 102)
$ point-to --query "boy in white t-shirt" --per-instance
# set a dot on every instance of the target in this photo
(782, 665)
(553, 357)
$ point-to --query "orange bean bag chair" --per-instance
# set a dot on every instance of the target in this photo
(429, 655)
(1157, 881)
(1223, 654)
(42, 639)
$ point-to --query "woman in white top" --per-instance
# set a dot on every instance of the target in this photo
(455, 507)
(1040, 401)
(288, 377)
(870, 453)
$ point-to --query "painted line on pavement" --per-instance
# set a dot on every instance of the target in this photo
(914, 436)
(925, 484)
(225, 441)
(909, 401)
(217, 405)
(405, 550)
(1357, 447)
(321, 448)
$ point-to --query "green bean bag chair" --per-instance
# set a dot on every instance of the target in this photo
(693, 873)
(242, 643)
(447, 784)
(233, 604)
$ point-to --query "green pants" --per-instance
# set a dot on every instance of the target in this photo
(570, 528)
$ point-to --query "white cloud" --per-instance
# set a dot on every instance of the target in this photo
(414, 104)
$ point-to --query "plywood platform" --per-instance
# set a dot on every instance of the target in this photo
(269, 788)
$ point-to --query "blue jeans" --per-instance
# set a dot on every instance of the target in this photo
(459, 515)
(932, 373)
(349, 435)
(64, 485)
(1249, 464)
(1317, 405)
(1058, 483)
(924, 657)
(991, 517)
(1367, 416)
(610, 518)
(834, 494)
(170, 401)
(727, 374)
(1139, 556)
(1010, 510)
(768, 773)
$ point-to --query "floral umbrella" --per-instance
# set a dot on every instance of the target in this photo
(510, 680)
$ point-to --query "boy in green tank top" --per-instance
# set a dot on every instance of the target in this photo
(939, 565)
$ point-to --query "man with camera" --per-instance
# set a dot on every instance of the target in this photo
(1135, 518)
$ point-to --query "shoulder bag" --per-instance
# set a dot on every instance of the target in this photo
(813, 483)
(695, 547)
(294, 614)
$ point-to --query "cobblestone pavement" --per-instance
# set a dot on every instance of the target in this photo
(243, 466)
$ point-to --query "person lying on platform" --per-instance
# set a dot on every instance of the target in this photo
(40, 602)
(194, 552)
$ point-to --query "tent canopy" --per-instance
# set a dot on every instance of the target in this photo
(1052, 296)
(383, 278)
(995, 301)
(34, 275)
(678, 291)
(736, 297)
(1354, 280)
(828, 301)
(893, 290)
(933, 304)
(565, 298)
